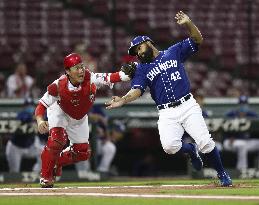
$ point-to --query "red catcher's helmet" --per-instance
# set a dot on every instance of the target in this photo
(71, 60)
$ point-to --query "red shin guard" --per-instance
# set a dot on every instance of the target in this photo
(76, 153)
(52, 150)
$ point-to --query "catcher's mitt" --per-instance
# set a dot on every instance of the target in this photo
(129, 69)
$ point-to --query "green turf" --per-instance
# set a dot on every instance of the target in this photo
(217, 191)
(114, 201)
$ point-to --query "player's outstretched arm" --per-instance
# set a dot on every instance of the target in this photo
(125, 74)
(116, 101)
(183, 19)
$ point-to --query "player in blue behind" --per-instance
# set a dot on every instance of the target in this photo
(163, 72)
(241, 142)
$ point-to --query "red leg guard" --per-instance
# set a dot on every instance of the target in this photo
(56, 141)
(76, 153)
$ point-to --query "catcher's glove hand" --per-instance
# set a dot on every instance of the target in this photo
(129, 69)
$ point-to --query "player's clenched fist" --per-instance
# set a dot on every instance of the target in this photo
(43, 127)
(182, 18)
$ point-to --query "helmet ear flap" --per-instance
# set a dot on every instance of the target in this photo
(72, 60)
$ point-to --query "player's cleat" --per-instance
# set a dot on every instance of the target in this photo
(44, 183)
(195, 158)
(225, 179)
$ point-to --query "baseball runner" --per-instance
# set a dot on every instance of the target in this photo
(163, 72)
(67, 101)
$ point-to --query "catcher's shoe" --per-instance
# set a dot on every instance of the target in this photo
(195, 158)
(44, 183)
(225, 179)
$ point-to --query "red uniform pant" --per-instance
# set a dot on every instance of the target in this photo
(52, 154)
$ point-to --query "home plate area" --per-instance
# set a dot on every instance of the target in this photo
(152, 191)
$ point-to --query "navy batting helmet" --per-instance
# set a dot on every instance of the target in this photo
(136, 41)
(243, 99)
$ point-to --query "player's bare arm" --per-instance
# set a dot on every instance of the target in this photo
(43, 126)
(183, 19)
(116, 101)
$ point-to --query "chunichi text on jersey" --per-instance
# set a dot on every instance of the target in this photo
(161, 67)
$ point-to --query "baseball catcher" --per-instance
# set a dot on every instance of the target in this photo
(67, 101)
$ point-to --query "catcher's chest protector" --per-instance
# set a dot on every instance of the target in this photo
(78, 102)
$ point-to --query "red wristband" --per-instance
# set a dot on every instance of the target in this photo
(40, 110)
(115, 77)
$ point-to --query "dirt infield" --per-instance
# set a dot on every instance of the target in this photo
(157, 191)
(107, 189)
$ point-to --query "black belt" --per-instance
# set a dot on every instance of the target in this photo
(174, 104)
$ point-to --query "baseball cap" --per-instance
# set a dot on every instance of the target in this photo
(243, 99)
(136, 41)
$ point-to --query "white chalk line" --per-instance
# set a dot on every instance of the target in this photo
(136, 196)
(101, 187)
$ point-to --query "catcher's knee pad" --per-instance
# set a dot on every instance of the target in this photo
(173, 147)
(206, 146)
(59, 135)
(56, 141)
(82, 151)
(75, 153)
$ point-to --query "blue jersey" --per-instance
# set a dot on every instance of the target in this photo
(166, 76)
(24, 135)
(239, 113)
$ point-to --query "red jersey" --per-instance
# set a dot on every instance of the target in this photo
(75, 103)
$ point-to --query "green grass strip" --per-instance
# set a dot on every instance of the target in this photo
(64, 200)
